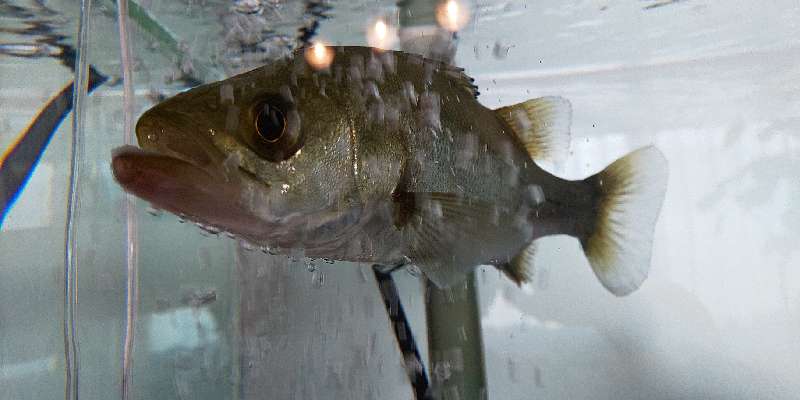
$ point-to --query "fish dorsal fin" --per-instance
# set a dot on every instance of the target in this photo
(541, 125)
(520, 268)
(466, 82)
(454, 74)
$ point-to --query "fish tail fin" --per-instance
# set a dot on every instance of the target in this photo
(628, 195)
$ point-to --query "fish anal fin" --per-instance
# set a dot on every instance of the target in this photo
(520, 269)
(542, 125)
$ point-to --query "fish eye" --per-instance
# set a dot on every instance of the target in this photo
(270, 123)
(274, 129)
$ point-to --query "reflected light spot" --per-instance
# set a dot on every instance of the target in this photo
(452, 15)
(319, 56)
(380, 29)
(381, 34)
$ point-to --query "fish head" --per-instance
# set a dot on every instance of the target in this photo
(269, 155)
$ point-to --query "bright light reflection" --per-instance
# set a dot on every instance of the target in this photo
(381, 34)
(452, 15)
(319, 56)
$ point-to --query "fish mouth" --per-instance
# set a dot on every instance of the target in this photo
(186, 189)
(235, 202)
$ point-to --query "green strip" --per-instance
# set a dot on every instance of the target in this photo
(168, 42)
(455, 342)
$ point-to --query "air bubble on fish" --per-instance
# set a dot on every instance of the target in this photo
(154, 211)
(318, 278)
(522, 223)
(389, 62)
(435, 209)
(536, 194)
(462, 333)
(374, 69)
(286, 93)
(371, 91)
(376, 112)
(430, 108)
(413, 270)
(428, 72)
(512, 176)
(226, 93)
(230, 167)
(392, 117)
(523, 121)
(296, 254)
(232, 118)
(467, 146)
(409, 93)
(337, 74)
(247, 245)
(311, 265)
(269, 250)
(355, 76)
(495, 216)
(207, 230)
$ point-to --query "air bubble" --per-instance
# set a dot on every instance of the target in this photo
(318, 278)
(414, 271)
(311, 266)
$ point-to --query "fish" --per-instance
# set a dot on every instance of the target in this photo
(388, 158)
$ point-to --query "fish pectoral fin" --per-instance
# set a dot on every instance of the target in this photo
(542, 125)
(440, 230)
(520, 268)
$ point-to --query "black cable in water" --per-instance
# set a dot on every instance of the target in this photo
(402, 332)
